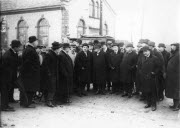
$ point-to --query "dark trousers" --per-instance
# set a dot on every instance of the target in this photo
(161, 87)
(4, 96)
(115, 86)
(49, 96)
(26, 100)
(82, 87)
(128, 87)
(101, 87)
(151, 98)
(11, 94)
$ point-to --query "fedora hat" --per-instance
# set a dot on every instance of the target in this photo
(32, 39)
(55, 45)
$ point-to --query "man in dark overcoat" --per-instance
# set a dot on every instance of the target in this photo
(99, 69)
(9, 74)
(127, 69)
(106, 48)
(83, 69)
(148, 72)
(159, 75)
(30, 72)
(65, 75)
(172, 88)
(51, 60)
(115, 62)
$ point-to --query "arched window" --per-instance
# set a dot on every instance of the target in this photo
(97, 10)
(105, 29)
(92, 8)
(22, 29)
(4, 34)
(81, 29)
(43, 32)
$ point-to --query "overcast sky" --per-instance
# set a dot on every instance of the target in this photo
(157, 20)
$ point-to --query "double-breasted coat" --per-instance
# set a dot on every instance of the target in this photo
(83, 67)
(127, 67)
(172, 86)
(30, 69)
(115, 62)
(99, 67)
(65, 74)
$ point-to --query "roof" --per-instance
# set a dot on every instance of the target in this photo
(23, 4)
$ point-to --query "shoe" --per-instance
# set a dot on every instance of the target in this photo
(112, 92)
(13, 101)
(98, 92)
(129, 95)
(142, 99)
(125, 94)
(80, 95)
(153, 108)
(176, 109)
(28, 106)
(84, 94)
(136, 93)
(50, 104)
(103, 93)
(161, 98)
(147, 106)
(7, 110)
(171, 106)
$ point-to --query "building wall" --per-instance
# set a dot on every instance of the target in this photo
(53, 17)
(79, 9)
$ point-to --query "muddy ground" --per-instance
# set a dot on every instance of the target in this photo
(93, 111)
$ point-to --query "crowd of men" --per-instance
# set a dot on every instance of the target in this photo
(76, 68)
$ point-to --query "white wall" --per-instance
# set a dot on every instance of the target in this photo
(54, 18)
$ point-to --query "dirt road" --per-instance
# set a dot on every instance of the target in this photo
(93, 111)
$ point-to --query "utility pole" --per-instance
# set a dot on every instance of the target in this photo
(101, 19)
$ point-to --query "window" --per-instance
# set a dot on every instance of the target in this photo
(22, 29)
(97, 10)
(105, 29)
(92, 8)
(81, 29)
(4, 34)
(43, 32)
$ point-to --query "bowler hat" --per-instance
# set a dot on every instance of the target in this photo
(90, 43)
(115, 44)
(103, 43)
(32, 39)
(15, 43)
(66, 45)
(145, 48)
(85, 44)
(55, 45)
(162, 45)
(150, 43)
(129, 45)
(97, 46)
(96, 42)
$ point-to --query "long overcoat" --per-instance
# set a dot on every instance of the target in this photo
(30, 69)
(51, 65)
(115, 62)
(149, 65)
(10, 67)
(83, 67)
(172, 86)
(99, 67)
(65, 74)
(127, 67)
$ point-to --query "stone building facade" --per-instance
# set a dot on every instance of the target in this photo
(51, 20)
